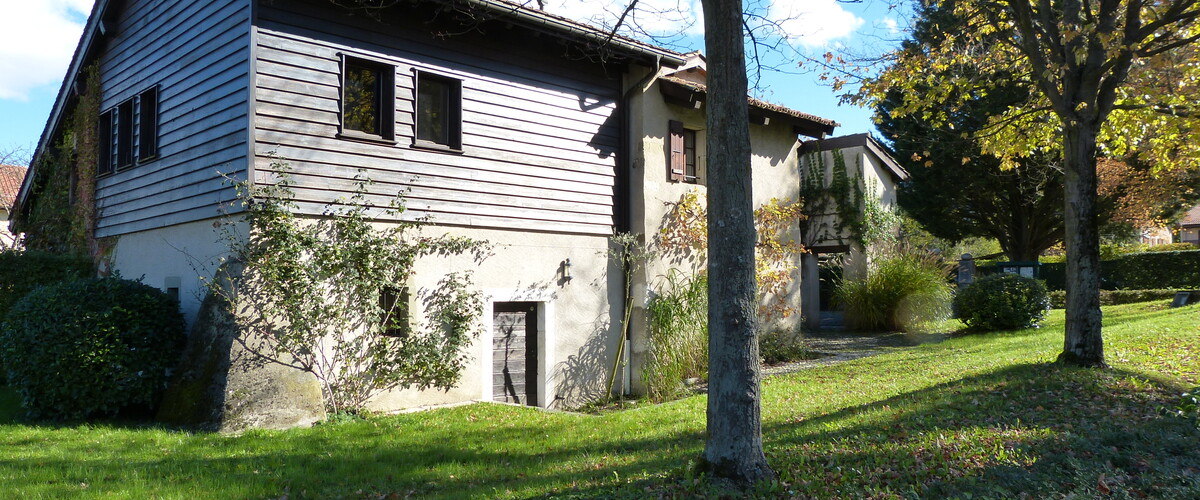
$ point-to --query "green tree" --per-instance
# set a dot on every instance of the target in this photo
(1094, 70)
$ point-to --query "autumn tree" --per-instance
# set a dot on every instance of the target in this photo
(1094, 71)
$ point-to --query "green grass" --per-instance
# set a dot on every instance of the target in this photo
(978, 416)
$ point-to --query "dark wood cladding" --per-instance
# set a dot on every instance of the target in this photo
(540, 134)
(198, 55)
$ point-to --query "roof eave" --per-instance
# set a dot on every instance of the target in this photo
(86, 41)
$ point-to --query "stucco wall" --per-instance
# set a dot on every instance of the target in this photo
(775, 172)
(577, 325)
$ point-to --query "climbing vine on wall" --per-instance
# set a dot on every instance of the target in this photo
(62, 211)
(842, 208)
(310, 293)
(685, 232)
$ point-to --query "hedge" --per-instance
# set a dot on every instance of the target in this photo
(1058, 298)
(22, 271)
(1136, 271)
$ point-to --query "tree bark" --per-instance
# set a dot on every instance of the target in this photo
(1083, 344)
(733, 448)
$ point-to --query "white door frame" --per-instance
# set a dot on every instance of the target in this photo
(545, 339)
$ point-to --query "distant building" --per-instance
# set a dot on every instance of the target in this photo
(10, 183)
(1189, 227)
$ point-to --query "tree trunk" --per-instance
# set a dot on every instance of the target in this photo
(733, 449)
(1083, 344)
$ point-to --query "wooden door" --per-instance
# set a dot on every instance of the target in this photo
(514, 352)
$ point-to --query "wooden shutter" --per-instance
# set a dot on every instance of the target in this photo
(677, 161)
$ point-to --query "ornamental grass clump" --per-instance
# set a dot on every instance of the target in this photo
(1002, 301)
(678, 336)
(903, 287)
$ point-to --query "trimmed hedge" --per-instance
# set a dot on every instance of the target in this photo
(91, 347)
(23, 271)
(1002, 302)
(1137, 271)
(1058, 298)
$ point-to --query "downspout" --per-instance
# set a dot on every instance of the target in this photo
(627, 214)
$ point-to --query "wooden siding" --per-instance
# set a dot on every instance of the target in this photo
(540, 134)
(198, 53)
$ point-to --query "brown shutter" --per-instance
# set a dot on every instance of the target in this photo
(677, 161)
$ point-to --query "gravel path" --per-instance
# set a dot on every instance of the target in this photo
(837, 347)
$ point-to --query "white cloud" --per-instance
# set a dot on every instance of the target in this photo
(891, 25)
(37, 41)
(814, 23)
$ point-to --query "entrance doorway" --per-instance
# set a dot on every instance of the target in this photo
(514, 352)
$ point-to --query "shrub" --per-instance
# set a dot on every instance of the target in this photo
(779, 346)
(91, 347)
(1058, 298)
(1002, 302)
(902, 288)
(678, 336)
(23, 271)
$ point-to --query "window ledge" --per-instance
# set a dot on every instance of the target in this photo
(360, 137)
(433, 146)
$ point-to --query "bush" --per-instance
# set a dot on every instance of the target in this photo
(678, 336)
(778, 346)
(902, 288)
(1002, 301)
(91, 347)
(1058, 298)
(23, 271)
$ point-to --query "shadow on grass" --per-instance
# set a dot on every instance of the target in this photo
(1034, 428)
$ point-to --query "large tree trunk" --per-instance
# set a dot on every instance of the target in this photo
(1083, 344)
(733, 449)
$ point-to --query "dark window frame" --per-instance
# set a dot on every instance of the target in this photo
(127, 134)
(451, 110)
(147, 137)
(385, 99)
(125, 120)
(396, 304)
(104, 143)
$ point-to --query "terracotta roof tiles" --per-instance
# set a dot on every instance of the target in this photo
(10, 182)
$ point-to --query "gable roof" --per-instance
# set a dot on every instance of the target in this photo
(10, 182)
(863, 140)
(1191, 218)
(807, 124)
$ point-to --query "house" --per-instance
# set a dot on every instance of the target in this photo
(10, 183)
(538, 134)
(826, 235)
(1189, 227)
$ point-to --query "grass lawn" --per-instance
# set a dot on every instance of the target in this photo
(974, 416)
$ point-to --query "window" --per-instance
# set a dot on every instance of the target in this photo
(127, 134)
(148, 124)
(438, 111)
(682, 164)
(394, 302)
(368, 99)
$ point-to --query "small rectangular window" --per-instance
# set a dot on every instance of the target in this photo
(683, 159)
(104, 143)
(394, 303)
(148, 124)
(438, 110)
(125, 134)
(368, 103)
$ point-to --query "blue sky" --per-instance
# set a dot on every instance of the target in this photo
(36, 49)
